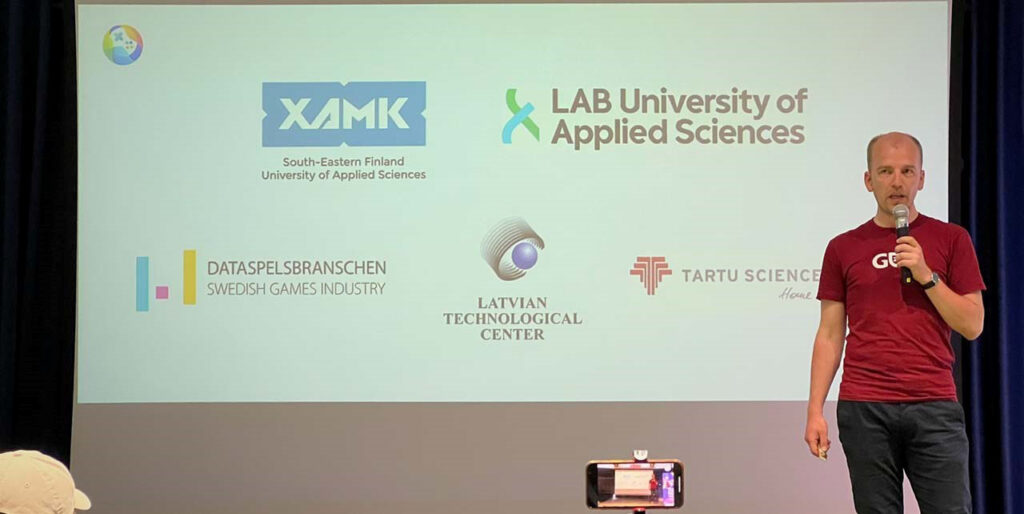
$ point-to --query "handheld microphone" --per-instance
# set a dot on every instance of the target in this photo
(902, 214)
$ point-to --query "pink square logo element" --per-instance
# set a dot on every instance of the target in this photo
(161, 292)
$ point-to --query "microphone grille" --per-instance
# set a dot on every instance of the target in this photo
(902, 214)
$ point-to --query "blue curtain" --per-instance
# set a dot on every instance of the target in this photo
(993, 211)
(37, 220)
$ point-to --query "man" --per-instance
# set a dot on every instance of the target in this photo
(897, 410)
(34, 483)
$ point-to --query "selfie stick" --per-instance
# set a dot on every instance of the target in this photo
(639, 456)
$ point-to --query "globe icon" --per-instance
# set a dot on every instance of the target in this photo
(122, 44)
(524, 255)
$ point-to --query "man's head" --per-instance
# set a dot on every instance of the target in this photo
(31, 482)
(894, 172)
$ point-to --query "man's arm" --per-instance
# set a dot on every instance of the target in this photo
(825, 359)
(963, 313)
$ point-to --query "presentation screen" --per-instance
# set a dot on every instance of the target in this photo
(373, 203)
(441, 245)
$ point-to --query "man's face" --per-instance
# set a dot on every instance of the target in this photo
(895, 176)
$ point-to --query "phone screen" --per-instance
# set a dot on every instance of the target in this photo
(629, 485)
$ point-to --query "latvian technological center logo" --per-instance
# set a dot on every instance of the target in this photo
(122, 44)
(511, 248)
(650, 270)
(163, 292)
(520, 117)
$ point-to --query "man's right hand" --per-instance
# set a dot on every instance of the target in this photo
(816, 434)
(828, 352)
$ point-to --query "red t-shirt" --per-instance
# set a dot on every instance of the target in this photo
(898, 347)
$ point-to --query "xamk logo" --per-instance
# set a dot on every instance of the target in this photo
(163, 292)
(356, 114)
(511, 248)
(650, 270)
(520, 116)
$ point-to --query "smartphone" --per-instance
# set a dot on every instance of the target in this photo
(627, 484)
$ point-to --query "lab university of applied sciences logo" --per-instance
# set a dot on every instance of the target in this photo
(511, 248)
(330, 114)
(520, 117)
(122, 44)
(650, 270)
(163, 292)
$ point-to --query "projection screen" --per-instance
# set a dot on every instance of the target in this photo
(436, 257)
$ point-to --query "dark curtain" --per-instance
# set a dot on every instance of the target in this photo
(38, 215)
(993, 211)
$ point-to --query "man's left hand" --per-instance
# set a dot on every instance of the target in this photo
(910, 255)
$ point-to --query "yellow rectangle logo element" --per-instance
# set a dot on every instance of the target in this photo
(189, 278)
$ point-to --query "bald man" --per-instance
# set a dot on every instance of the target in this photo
(898, 411)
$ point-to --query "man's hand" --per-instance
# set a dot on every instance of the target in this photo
(828, 351)
(816, 435)
(964, 313)
(910, 255)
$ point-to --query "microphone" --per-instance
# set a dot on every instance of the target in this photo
(902, 214)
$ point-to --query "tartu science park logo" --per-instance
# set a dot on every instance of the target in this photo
(313, 114)
(650, 270)
(511, 248)
(122, 44)
(163, 292)
(520, 117)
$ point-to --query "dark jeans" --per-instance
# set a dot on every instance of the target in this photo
(925, 439)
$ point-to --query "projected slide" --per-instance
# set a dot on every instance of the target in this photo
(479, 202)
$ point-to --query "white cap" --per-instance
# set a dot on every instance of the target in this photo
(33, 483)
